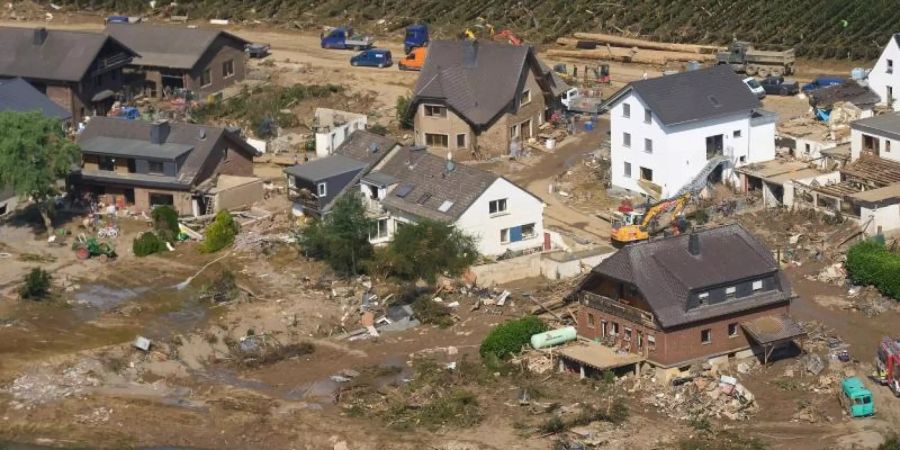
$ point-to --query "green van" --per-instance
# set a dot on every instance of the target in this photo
(856, 399)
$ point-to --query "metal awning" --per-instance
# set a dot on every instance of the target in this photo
(102, 95)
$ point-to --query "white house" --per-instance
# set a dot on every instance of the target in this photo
(333, 127)
(411, 184)
(879, 136)
(668, 132)
(884, 78)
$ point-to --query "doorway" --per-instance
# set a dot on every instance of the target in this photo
(715, 146)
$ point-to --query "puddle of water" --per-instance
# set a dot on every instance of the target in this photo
(93, 299)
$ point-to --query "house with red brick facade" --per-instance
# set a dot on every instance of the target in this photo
(679, 300)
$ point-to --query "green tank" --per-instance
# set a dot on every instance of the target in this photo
(553, 337)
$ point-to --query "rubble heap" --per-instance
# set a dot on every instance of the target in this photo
(705, 396)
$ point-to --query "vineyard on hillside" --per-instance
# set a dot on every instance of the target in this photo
(854, 29)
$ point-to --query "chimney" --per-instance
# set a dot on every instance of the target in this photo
(40, 35)
(694, 244)
(470, 54)
(159, 132)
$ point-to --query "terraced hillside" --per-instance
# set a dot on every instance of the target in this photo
(853, 29)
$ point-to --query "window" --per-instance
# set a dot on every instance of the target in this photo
(615, 329)
(627, 334)
(887, 146)
(646, 174)
(757, 285)
(627, 171)
(513, 131)
(732, 330)
(437, 140)
(705, 336)
(890, 66)
(497, 206)
(205, 78)
(648, 146)
(228, 68)
(736, 133)
(504, 236)
(640, 339)
(626, 110)
(161, 199)
(106, 163)
(626, 139)
(528, 231)
(322, 189)
(525, 98)
(435, 111)
(380, 230)
(648, 116)
(703, 297)
(155, 166)
(808, 149)
(742, 159)
(461, 140)
(590, 323)
(651, 341)
(730, 292)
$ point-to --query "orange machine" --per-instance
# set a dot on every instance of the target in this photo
(414, 60)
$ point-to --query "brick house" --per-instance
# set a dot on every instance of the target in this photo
(143, 164)
(688, 298)
(479, 97)
(203, 61)
(82, 72)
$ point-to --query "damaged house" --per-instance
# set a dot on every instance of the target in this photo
(79, 71)
(884, 78)
(480, 97)
(202, 61)
(197, 169)
(675, 301)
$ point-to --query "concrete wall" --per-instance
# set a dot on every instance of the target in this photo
(790, 189)
(884, 150)
(880, 79)
(241, 196)
(522, 208)
(182, 200)
(559, 264)
(326, 142)
(508, 270)
(887, 218)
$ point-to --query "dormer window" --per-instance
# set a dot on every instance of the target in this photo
(704, 298)
(730, 292)
(757, 285)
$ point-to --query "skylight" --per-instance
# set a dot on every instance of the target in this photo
(424, 198)
(714, 101)
(445, 206)
(403, 190)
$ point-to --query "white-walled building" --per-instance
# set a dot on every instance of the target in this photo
(879, 136)
(884, 78)
(333, 127)
(411, 184)
(667, 131)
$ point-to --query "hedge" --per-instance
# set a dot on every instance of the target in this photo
(871, 263)
(508, 338)
(148, 243)
(220, 233)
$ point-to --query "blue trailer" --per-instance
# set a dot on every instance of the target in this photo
(416, 36)
(343, 38)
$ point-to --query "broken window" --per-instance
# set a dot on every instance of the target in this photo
(615, 329)
(435, 111)
(528, 231)
(732, 329)
(705, 336)
(627, 334)
(651, 342)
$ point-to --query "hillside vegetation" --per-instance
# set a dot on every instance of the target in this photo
(817, 28)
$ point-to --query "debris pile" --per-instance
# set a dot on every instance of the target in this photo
(36, 388)
(705, 396)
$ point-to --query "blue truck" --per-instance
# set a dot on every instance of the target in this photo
(343, 38)
(373, 57)
(416, 36)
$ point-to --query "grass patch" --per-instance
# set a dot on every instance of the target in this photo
(456, 408)
(615, 412)
(36, 258)
(725, 440)
(787, 384)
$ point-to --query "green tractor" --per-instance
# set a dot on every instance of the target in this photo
(91, 247)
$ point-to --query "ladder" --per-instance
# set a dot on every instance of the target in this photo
(700, 181)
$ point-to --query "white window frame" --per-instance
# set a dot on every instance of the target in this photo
(226, 73)
(757, 285)
(381, 232)
(731, 291)
(627, 169)
(626, 139)
(703, 297)
(322, 189)
(525, 98)
(626, 110)
(494, 207)
(504, 235)
(432, 108)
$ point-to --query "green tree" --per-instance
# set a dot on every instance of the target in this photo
(36, 285)
(428, 249)
(34, 154)
(404, 118)
(507, 339)
(342, 237)
(220, 233)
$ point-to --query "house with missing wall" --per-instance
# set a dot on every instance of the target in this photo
(139, 165)
(411, 184)
(200, 60)
(480, 97)
(705, 296)
(672, 131)
(884, 78)
(314, 186)
(333, 127)
(79, 71)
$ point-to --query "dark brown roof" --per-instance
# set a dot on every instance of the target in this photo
(478, 80)
(168, 46)
(202, 139)
(666, 273)
(425, 185)
(63, 55)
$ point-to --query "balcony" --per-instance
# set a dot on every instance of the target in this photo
(613, 307)
(111, 62)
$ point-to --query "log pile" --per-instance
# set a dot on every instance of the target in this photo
(629, 50)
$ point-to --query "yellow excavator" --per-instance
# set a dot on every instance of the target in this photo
(636, 226)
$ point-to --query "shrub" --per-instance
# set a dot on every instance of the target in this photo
(403, 116)
(148, 243)
(220, 233)
(165, 218)
(508, 338)
(432, 312)
(871, 263)
(36, 285)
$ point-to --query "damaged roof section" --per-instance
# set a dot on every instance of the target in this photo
(850, 91)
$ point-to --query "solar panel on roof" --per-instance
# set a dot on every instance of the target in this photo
(403, 190)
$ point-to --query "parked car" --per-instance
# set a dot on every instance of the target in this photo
(755, 87)
(821, 82)
(414, 60)
(257, 50)
(780, 86)
(376, 57)
(855, 398)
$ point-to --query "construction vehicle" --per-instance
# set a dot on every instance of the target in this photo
(507, 35)
(91, 247)
(638, 225)
(344, 38)
(887, 364)
(415, 60)
(581, 101)
(855, 398)
(743, 58)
